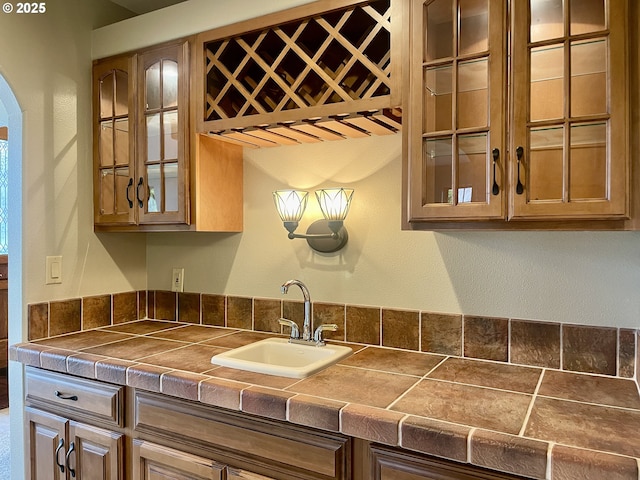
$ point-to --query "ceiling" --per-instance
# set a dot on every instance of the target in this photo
(145, 6)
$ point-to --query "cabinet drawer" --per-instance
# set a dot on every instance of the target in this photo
(263, 446)
(77, 397)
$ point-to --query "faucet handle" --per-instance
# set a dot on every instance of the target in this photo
(317, 335)
(295, 332)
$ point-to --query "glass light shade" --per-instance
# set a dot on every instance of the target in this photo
(334, 202)
(290, 204)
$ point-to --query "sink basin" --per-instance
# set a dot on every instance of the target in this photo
(276, 356)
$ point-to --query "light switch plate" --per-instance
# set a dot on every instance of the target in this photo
(177, 280)
(53, 273)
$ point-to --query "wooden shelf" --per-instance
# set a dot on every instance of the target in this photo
(337, 127)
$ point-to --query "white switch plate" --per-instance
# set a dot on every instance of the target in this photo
(177, 280)
(53, 272)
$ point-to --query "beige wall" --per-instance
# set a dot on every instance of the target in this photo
(46, 59)
(46, 63)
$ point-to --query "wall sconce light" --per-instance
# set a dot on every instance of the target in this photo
(326, 235)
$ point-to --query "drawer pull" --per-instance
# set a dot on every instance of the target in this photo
(60, 445)
(62, 396)
(72, 447)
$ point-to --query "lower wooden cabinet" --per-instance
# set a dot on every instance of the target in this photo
(156, 462)
(394, 464)
(60, 448)
(252, 448)
(79, 428)
(74, 427)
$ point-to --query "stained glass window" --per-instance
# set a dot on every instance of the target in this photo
(4, 207)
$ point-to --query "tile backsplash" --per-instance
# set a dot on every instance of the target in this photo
(578, 348)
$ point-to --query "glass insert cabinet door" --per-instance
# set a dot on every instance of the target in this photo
(569, 101)
(161, 185)
(114, 177)
(456, 135)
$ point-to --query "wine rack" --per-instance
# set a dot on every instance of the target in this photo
(303, 77)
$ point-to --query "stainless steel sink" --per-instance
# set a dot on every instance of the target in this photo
(276, 356)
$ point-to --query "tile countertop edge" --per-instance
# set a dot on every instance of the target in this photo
(497, 451)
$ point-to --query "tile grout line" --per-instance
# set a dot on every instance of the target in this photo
(530, 408)
(549, 470)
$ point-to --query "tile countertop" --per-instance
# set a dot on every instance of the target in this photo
(534, 422)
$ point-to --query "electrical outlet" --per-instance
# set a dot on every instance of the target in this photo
(53, 271)
(177, 281)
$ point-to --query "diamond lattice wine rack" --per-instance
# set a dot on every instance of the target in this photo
(303, 75)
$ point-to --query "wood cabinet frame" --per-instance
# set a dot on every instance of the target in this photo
(314, 9)
(625, 207)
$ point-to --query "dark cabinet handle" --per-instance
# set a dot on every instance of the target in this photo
(64, 396)
(496, 188)
(140, 183)
(72, 447)
(130, 184)
(60, 445)
(519, 186)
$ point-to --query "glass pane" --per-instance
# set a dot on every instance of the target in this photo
(122, 93)
(587, 16)
(545, 163)
(154, 188)
(106, 96)
(588, 177)
(547, 87)
(122, 141)
(107, 194)
(171, 187)
(170, 128)
(438, 30)
(438, 171)
(152, 90)
(473, 94)
(437, 99)
(153, 138)
(474, 26)
(122, 181)
(106, 143)
(472, 168)
(588, 77)
(169, 83)
(547, 20)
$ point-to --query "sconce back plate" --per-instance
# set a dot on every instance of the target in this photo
(326, 245)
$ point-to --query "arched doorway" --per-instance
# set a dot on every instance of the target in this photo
(16, 305)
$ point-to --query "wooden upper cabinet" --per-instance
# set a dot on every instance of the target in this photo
(456, 128)
(518, 125)
(151, 172)
(327, 70)
(570, 101)
(162, 186)
(113, 142)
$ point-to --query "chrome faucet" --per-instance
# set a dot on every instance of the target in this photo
(306, 326)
